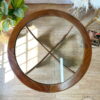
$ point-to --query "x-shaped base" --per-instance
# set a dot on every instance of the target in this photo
(49, 52)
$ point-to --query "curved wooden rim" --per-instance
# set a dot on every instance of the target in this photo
(49, 87)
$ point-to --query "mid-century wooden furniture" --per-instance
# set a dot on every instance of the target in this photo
(42, 86)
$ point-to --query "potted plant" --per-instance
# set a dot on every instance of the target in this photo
(11, 12)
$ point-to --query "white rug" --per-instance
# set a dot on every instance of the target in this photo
(49, 1)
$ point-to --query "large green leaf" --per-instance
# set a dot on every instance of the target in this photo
(5, 25)
(24, 7)
(17, 4)
(20, 3)
(4, 7)
(11, 22)
(19, 13)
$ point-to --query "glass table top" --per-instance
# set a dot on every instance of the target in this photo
(49, 56)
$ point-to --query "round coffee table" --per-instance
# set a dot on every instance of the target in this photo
(62, 53)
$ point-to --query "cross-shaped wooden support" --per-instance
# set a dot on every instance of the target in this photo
(49, 52)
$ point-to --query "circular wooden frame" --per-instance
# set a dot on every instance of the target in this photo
(49, 87)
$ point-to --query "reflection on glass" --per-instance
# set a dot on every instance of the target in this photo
(61, 70)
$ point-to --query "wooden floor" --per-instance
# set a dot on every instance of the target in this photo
(87, 89)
